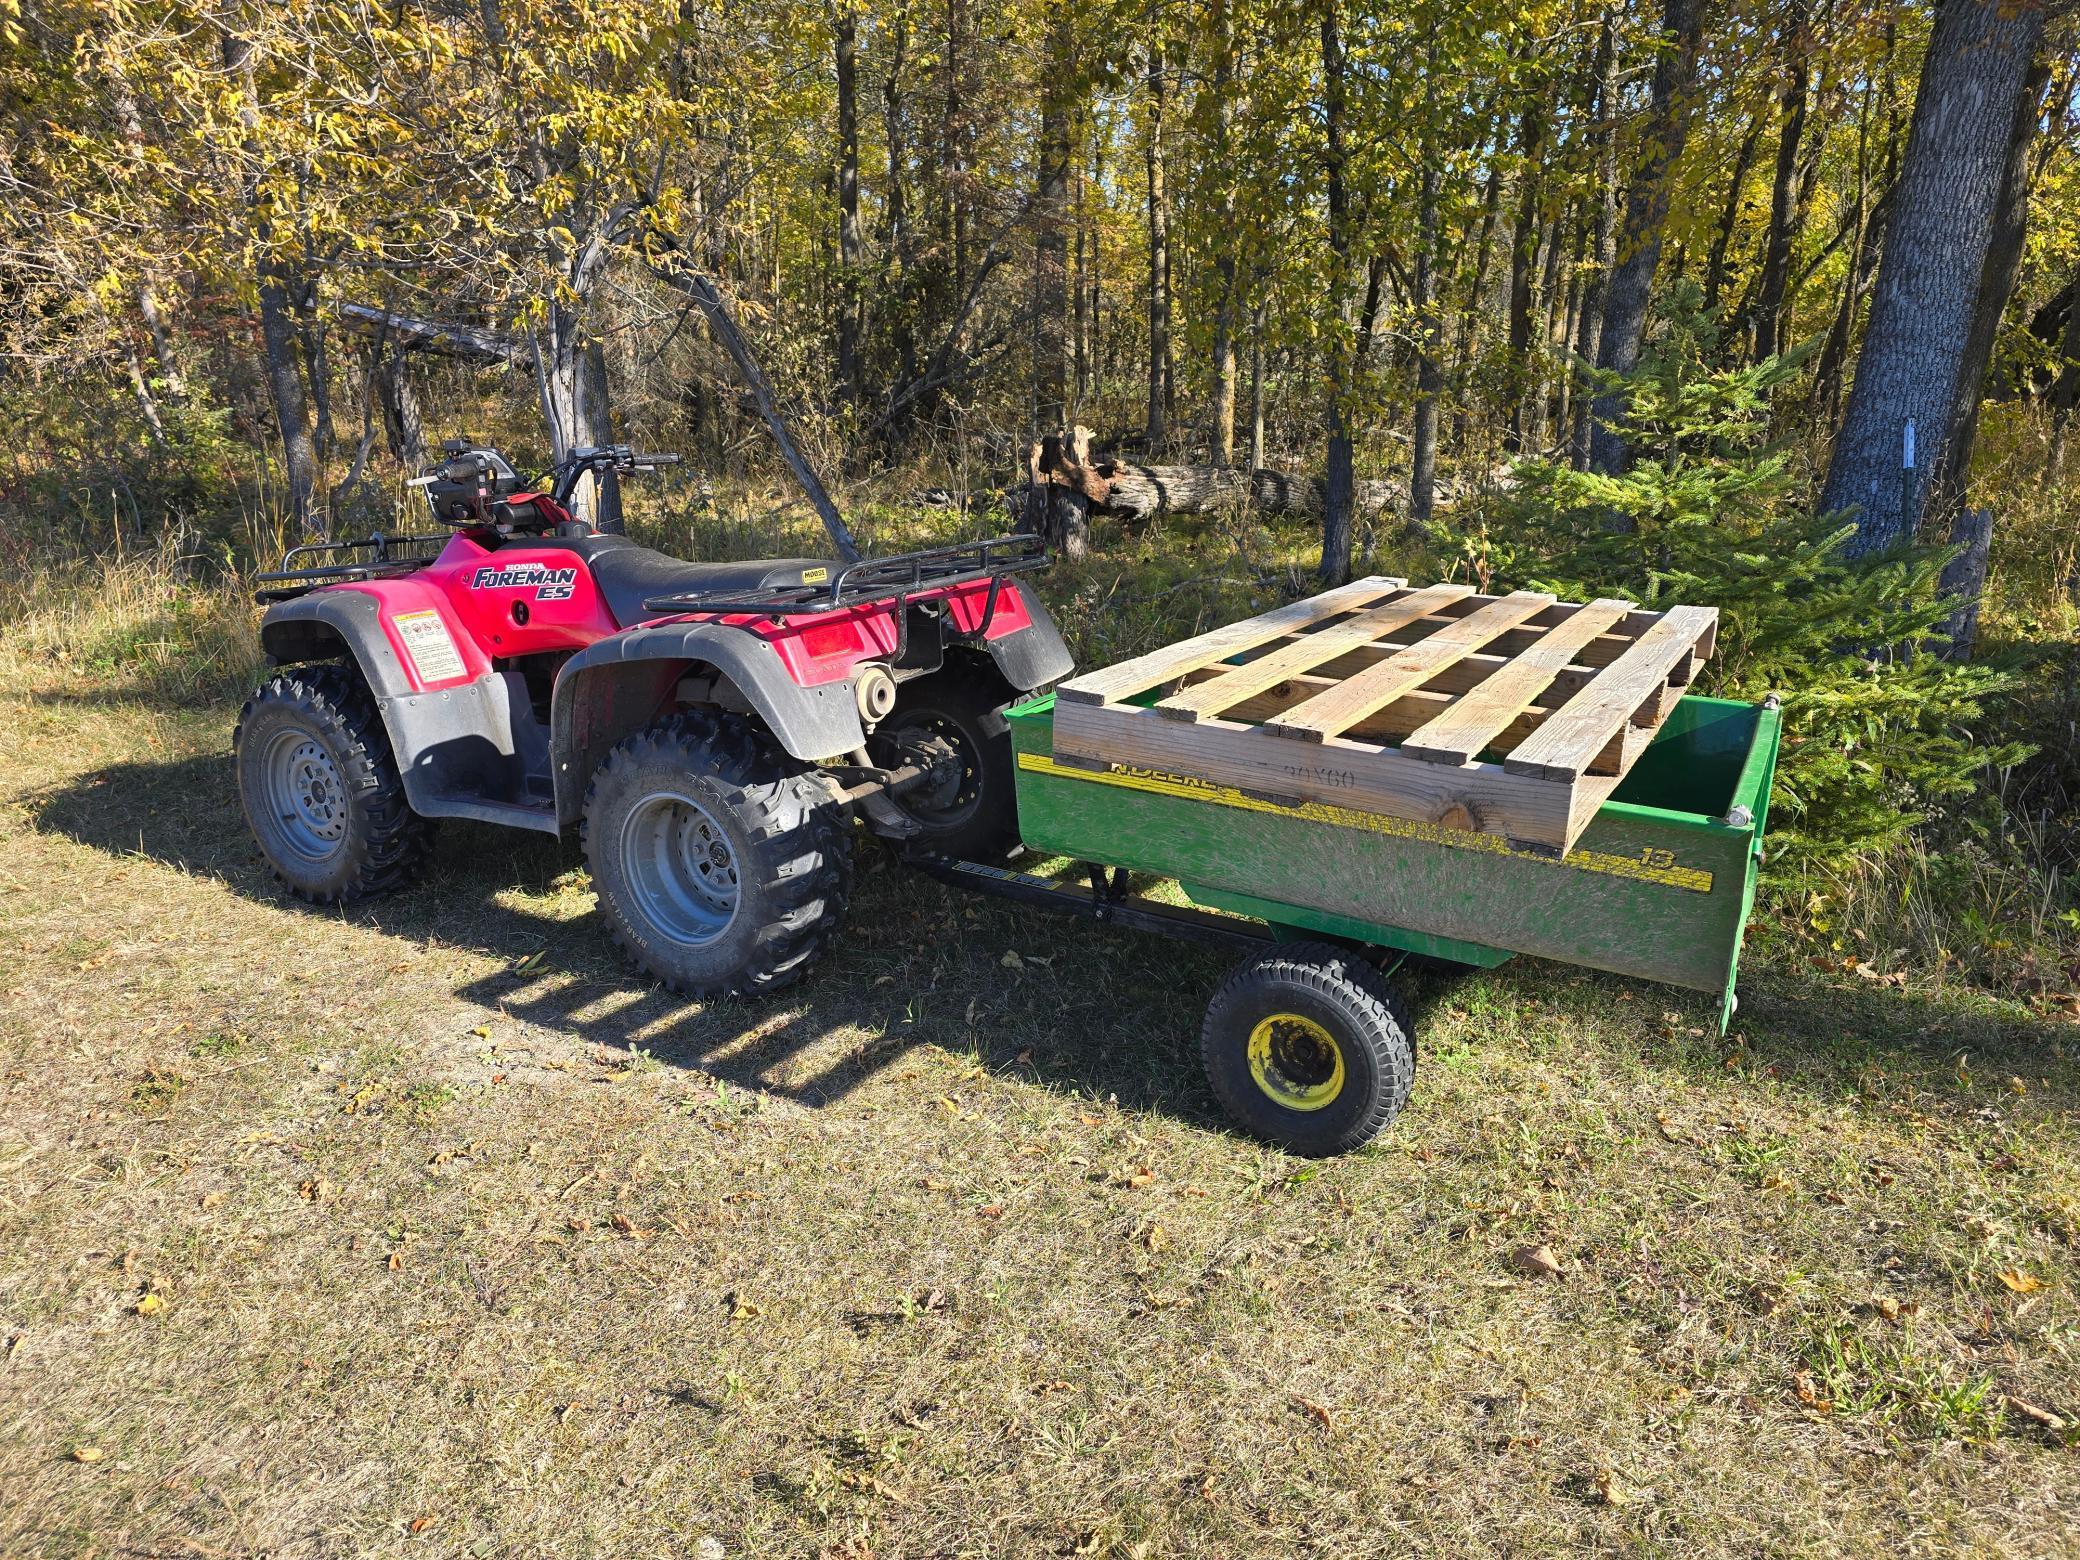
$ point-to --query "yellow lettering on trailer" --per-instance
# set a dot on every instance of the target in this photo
(1651, 865)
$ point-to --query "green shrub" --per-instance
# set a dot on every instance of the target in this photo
(1878, 729)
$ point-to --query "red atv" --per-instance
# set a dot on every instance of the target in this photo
(712, 727)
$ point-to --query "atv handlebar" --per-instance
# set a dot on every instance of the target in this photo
(602, 457)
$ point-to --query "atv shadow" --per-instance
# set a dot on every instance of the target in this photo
(1097, 1012)
(1080, 1010)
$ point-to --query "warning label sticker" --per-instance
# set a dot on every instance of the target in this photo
(429, 647)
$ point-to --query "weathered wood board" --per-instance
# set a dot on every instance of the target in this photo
(1513, 716)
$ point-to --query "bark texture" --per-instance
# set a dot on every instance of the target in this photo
(1935, 254)
(1646, 209)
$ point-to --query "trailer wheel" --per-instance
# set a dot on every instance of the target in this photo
(1309, 1047)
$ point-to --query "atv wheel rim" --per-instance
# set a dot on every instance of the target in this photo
(306, 797)
(1296, 1062)
(682, 870)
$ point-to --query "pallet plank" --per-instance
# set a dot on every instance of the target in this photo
(1475, 720)
(1229, 686)
(1481, 799)
(1323, 716)
(1172, 661)
(1575, 736)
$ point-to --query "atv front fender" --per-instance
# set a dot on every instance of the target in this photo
(622, 683)
(466, 748)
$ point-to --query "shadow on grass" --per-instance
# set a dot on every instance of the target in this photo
(1087, 1011)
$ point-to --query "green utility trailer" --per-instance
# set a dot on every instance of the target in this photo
(1307, 1043)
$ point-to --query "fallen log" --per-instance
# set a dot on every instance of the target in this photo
(1066, 483)
(447, 338)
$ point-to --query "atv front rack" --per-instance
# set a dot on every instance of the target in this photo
(307, 567)
(877, 579)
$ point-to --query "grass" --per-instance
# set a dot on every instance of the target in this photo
(426, 1228)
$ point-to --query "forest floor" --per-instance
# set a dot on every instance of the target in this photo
(430, 1229)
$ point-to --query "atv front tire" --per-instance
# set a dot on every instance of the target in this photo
(721, 864)
(321, 789)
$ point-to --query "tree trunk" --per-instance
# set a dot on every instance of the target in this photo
(277, 304)
(1786, 210)
(1964, 579)
(1523, 261)
(1589, 325)
(953, 143)
(1730, 212)
(1467, 335)
(1996, 287)
(1422, 468)
(901, 264)
(1051, 241)
(851, 245)
(1336, 490)
(1870, 242)
(1224, 305)
(1935, 255)
(401, 425)
(1159, 369)
(1256, 378)
(1646, 209)
(2064, 394)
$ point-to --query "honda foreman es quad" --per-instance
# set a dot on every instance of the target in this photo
(712, 728)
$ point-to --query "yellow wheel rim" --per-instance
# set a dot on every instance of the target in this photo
(1296, 1061)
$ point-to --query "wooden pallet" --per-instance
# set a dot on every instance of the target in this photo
(1507, 715)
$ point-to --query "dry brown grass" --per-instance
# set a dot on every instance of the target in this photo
(427, 1229)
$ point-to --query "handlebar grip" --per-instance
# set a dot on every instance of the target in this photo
(656, 460)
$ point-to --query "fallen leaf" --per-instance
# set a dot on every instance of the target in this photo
(1807, 1387)
(482, 1031)
(2022, 1283)
(742, 1310)
(94, 1454)
(1888, 1308)
(1025, 1055)
(397, 1261)
(421, 1524)
(1613, 1490)
(1538, 1261)
(149, 1304)
(1314, 1411)
(1145, 1176)
(993, 1210)
(1011, 960)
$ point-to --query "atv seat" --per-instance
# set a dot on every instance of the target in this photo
(628, 575)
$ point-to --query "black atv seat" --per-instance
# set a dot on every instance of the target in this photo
(628, 575)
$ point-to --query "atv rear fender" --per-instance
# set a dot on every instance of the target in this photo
(622, 683)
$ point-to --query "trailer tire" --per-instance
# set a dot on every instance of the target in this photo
(1307, 1046)
(721, 864)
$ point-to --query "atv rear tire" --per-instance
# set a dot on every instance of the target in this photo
(974, 817)
(321, 790)
(721, 864)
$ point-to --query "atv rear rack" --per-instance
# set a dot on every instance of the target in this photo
(878, 579)
(390, 556)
